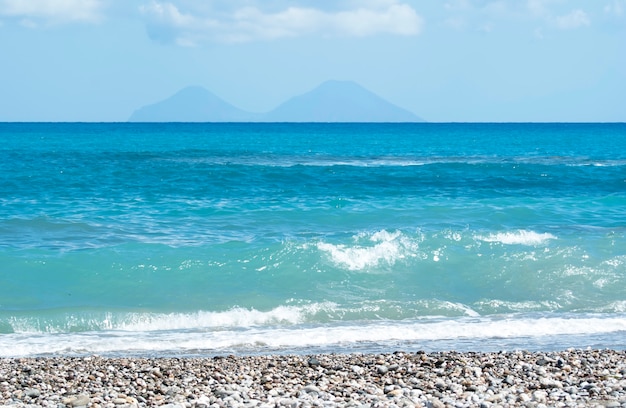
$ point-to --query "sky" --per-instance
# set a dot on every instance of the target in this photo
(444, 60)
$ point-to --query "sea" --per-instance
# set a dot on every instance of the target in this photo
(207, 239)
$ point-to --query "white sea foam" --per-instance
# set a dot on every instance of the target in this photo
(520, 237)
(615, 262)
(617, 306)
(291, 314)
(236, 317)
(369, 251)
(475, 331)
(504, 306)
(466, 310)
(329, 161)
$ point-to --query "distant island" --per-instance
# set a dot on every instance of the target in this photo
(332, 101)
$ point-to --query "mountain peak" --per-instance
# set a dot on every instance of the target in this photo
(340, 101)
(191, 104)
(331, 101)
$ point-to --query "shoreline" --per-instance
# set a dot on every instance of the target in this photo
(569, 378)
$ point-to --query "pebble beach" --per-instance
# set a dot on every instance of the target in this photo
(570, 378)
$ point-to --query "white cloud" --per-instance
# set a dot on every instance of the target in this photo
(168, 22)
(475, 15)
(574, 19)
(537, 8)
(549, 13)
(458, 5)
(541, 9)
(34, 12)
(616, 8)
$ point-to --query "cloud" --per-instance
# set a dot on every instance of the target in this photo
(457, 5)
(616, 8)
(541, 9)
(168, 22)
(574, 19)
(36, 12)
(544, 14)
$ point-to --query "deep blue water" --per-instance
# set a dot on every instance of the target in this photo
(196, 239)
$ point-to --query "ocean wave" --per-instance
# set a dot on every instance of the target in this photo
(477, 332)
(371, 250)
(293, 313)
(199, 321)
(520, 237)
(618, 306)
(507, 306)
(320, 160)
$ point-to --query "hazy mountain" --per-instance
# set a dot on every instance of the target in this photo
(332, 101)
(191, 104)
(339, 101)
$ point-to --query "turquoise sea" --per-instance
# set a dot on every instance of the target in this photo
(205, 239)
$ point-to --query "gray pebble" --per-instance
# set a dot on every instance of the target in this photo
(570, 378)
(32, 392)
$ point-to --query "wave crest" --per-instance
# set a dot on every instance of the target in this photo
(520, 237)
(371, 250)
(236, 317)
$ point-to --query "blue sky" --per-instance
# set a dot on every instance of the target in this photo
(455, 60)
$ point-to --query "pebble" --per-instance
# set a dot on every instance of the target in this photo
(32, 392)
(569, 378)
(77, 401)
